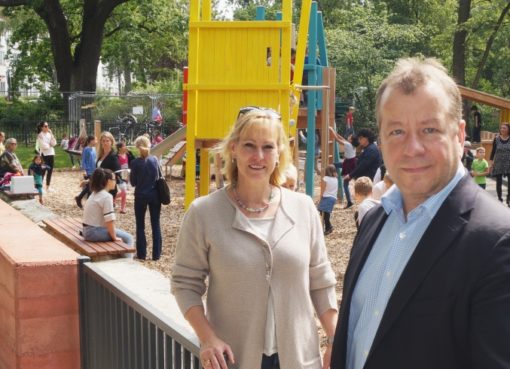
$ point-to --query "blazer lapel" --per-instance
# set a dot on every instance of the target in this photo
(438, 237)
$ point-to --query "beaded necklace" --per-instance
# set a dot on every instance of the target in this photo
(249, 209)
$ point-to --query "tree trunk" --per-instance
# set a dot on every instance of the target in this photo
(459, 42)
(488, 46)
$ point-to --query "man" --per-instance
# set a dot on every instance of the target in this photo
(477, 123)
(370, 158)
(9, 162)
(428, 282)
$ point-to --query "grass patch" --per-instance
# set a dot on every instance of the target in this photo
(27, 153)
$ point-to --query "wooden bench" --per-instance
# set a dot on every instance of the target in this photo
(68, 230)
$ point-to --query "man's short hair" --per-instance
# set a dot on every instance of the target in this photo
(363, 186)
(10, 141)
(410, 74)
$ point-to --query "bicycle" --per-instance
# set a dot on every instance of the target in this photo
(124, 131)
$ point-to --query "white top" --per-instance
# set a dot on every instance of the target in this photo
(349, 151)
(263, 226)
(64, 143)
(46, 141)
(331, 189)
(378, 190)
(365, 206)
(98, 209)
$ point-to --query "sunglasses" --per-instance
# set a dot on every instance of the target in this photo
(271, 112)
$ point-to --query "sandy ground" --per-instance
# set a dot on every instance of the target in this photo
(65, 186)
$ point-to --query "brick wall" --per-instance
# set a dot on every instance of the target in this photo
(39, 323)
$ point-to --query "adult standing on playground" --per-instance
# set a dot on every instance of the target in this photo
(107, 158)
(2, 139)
(369, 160)
(46, 143)
(262, 249)
(428, 281)
(144, 174)
(500, 160)
(477, 124)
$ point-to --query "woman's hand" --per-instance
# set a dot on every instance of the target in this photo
(214, 354)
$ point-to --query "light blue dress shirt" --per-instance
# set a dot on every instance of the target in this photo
(389, 256)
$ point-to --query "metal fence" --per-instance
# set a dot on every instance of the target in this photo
(118, 330)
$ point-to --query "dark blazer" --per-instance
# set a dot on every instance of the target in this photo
(450, 308)
(368, 162)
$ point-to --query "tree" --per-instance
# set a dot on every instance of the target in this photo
(459, 41)
(75, 48)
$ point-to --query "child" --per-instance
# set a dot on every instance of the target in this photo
(64, 143)
(480, 168)
(157, 138)
(98, 215)
(349, 162)
(363, 196)
(125, 157)
(329, 190)
(37, 169)
(381, 187)
(88, 165)
(291, 177)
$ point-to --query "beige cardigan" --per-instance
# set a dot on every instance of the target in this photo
(217, 241)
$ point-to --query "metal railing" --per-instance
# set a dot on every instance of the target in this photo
(119, 330)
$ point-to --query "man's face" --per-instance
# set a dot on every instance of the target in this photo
(363, 141)
(421, 145)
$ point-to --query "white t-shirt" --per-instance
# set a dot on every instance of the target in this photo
(378, 190)
(349, 151)
(364, 207)
(98, 209)
(331, 189)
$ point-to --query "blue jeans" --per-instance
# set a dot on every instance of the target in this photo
(347, 192)
(141, 204)
(100, 234)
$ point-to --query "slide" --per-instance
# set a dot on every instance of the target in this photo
(169, 142)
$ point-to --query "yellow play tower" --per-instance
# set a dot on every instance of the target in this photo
(233, 64)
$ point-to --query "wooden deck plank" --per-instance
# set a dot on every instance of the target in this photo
(67, 230)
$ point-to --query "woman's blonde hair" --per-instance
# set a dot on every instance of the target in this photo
(101, 148)
(143, 144)
(255, 118)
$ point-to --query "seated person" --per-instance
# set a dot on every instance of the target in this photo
(363, 196)
(9, 162)
(98, 213)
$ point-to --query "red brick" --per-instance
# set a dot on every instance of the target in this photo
(43, 335)
(45, 307)
(46, 280)
(54, 360)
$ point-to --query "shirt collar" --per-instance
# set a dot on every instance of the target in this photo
(392, 199)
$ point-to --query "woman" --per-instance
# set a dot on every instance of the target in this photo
(143, 176)
(349, 162)
(98, 213)
(107, 157)
(2, 139)
(46, 142)
(262, 248)
(500, 160)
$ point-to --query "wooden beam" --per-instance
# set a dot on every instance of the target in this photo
(484, 98)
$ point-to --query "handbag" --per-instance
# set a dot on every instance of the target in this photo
(163, 189)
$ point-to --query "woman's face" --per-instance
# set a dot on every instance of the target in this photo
(45, 127)
(106, 143)
(2, 138)
(503, 130)
(256, 154)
